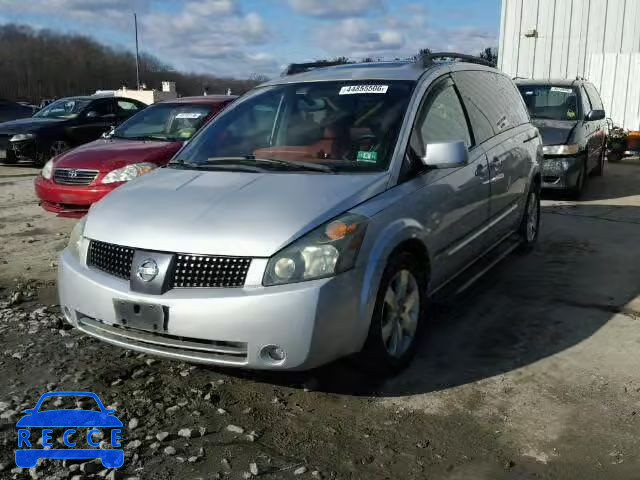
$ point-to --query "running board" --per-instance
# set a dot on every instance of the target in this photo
(477, 270)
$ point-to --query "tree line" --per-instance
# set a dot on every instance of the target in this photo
(38, 64)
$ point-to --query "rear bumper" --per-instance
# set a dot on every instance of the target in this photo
(69, 200)
(561, 173)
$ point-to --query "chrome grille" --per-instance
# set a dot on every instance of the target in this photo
(189, 271)
(74, 176)
(201, 271)
(109, 258)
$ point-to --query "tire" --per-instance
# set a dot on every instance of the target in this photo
(529, 229)
(614, 157)
(395, 329)
(599, 170)
(576, 192)
(54, 148)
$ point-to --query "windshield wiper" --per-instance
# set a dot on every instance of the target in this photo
(206, 166)
(291, 165)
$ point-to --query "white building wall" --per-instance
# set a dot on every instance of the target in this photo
(595, 39)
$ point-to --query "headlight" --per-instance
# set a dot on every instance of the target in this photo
(47, 170)
(75, 239)
(570, 149)
(129, 172)
(323, 252)
(22, 136)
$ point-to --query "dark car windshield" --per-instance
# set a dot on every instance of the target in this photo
(64, 108)
(550, 102)
(68, 402)
(323, 126)
(169, 122)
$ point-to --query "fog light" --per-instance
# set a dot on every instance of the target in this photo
(273, 353)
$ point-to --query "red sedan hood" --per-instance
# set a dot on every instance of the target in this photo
(107, 155)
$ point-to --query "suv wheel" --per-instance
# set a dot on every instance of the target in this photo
(398, 317)
(530, 225)
(577, 190)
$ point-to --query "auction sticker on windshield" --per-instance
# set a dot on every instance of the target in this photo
(189, 115)
(355, 89)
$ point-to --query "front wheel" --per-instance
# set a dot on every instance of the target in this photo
(54, 149)
(530, 225)
(399, 316)
(599, 170)
(576, 191)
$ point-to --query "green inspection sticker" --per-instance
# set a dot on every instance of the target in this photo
(367, 156)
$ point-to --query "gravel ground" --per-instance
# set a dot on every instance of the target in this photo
(532, 373)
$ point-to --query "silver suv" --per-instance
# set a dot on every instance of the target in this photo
(313, 219)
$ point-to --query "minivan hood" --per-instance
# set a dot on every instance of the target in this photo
(224, 213)
(108, 154)
(555, 132)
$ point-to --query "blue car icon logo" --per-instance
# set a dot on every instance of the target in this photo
(78, 430)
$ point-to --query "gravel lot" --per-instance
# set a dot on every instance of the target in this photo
(532, 373)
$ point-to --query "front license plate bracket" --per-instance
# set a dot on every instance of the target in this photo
(141, 316)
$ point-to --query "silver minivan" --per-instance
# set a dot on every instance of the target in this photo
(313, 219)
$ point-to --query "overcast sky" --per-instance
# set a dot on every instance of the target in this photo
(240, 37)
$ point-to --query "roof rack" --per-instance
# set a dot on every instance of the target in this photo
(294, 68)
(430, 57)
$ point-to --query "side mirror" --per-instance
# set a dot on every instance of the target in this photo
(92, 114)
(446, 155)
(594, 115)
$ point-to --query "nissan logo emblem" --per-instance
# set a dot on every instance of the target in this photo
(147, 270)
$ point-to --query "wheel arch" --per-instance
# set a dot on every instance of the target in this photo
(402, 235)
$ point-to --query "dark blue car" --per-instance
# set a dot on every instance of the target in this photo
(78, 425)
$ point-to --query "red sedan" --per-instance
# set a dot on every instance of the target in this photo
(72, 181)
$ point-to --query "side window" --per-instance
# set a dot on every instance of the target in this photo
(441, 119)
(511, 100)
(127, 107)
(477, 91)
(103, 107)
(594, 97)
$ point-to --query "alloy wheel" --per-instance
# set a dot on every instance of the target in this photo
(400, 313)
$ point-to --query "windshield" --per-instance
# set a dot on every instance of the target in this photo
(64, 108)
(168, 122)
(550, 102)
(325, 126)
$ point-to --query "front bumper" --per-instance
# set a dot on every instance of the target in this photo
(560, 173)
(314, 322)
(24, 149)
(69, 200)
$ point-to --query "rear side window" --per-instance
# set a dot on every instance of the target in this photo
(478, 94)
(594, 97)
(511, 100)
